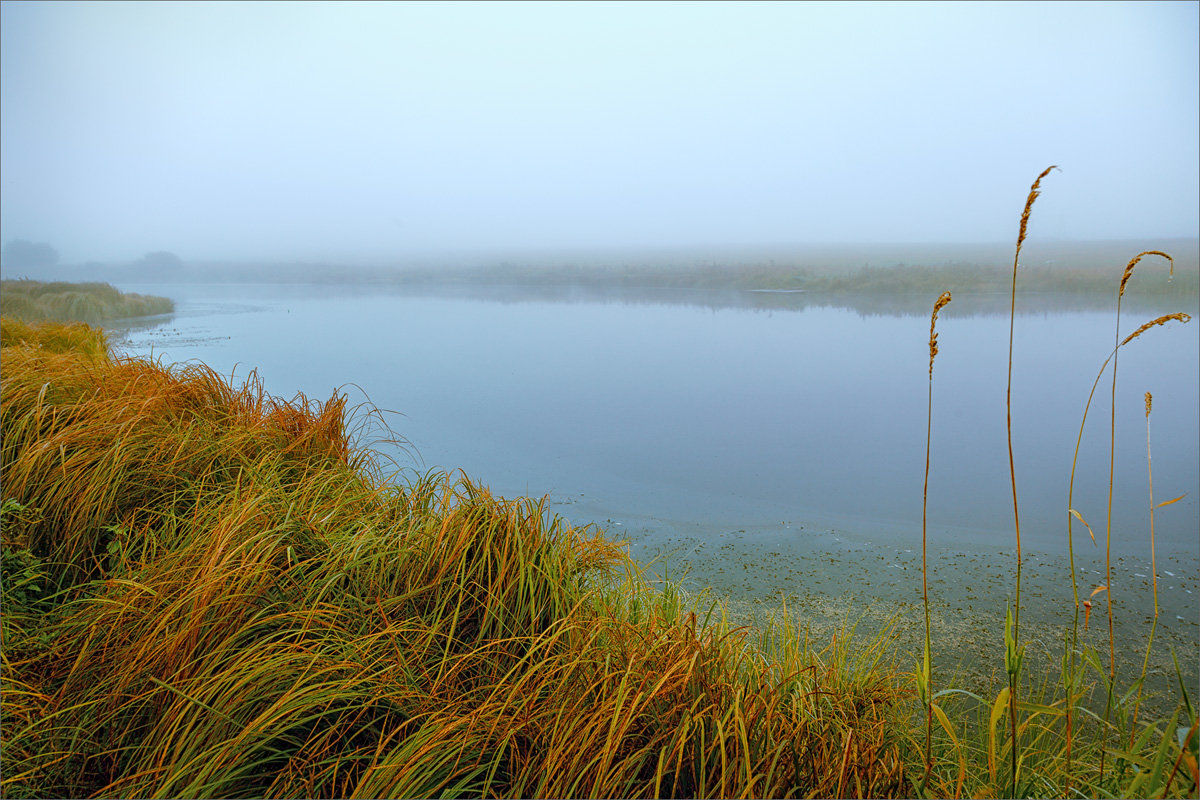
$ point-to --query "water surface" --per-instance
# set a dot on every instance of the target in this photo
(774, 446)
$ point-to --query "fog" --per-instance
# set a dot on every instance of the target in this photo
(380, 133)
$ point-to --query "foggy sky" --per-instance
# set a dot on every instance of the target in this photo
(379, 131)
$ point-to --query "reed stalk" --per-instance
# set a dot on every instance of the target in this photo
(926, 682)
(1112, 460)
(1153, 572)
(1013, 651)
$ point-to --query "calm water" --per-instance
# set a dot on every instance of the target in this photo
(734, 416)
(770, 445)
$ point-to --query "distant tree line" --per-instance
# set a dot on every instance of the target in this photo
(22, 253)
(160, 259)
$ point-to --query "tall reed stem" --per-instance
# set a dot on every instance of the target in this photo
(1112, 460)
(1012, 655)
(1153, 572)
(927, 682)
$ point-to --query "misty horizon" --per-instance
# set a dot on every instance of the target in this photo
(373, 133)
(818, 256)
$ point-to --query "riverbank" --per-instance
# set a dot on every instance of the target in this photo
(93, 303)
(211, 591)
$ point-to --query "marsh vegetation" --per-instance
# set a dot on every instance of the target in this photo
(212, 591)
(92, 303)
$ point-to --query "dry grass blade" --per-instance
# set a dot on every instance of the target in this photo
(1079, 517)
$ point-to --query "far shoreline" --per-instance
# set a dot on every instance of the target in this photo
(1074, 266)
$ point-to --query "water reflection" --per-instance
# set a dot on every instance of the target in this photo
(864, 304)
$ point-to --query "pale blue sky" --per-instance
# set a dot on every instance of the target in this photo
(376, 131)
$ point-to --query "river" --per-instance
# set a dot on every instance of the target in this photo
(771, 447)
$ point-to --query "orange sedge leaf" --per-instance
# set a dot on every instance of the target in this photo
(1079, 517)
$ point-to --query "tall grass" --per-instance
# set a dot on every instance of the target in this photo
(75, 302)
(1014, 653)
(1112, 455)
(1037, 747)
(1149, 401)
(925, 680)
(232, 601)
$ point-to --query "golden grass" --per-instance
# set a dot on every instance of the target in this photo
(238, 607)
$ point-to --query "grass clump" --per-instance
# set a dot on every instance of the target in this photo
(92, 303)
(1059, 742)
(216, 593)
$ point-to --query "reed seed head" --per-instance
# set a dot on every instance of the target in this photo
(1149, 402)
(1163, 320)
(1034, 192)
(941, 303)
(1133, 262)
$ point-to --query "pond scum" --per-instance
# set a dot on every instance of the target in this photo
(212, 592)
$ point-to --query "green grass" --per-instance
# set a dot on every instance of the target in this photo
(75, 302)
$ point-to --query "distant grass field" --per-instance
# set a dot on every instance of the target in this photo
(92, 303)
(894, 279)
